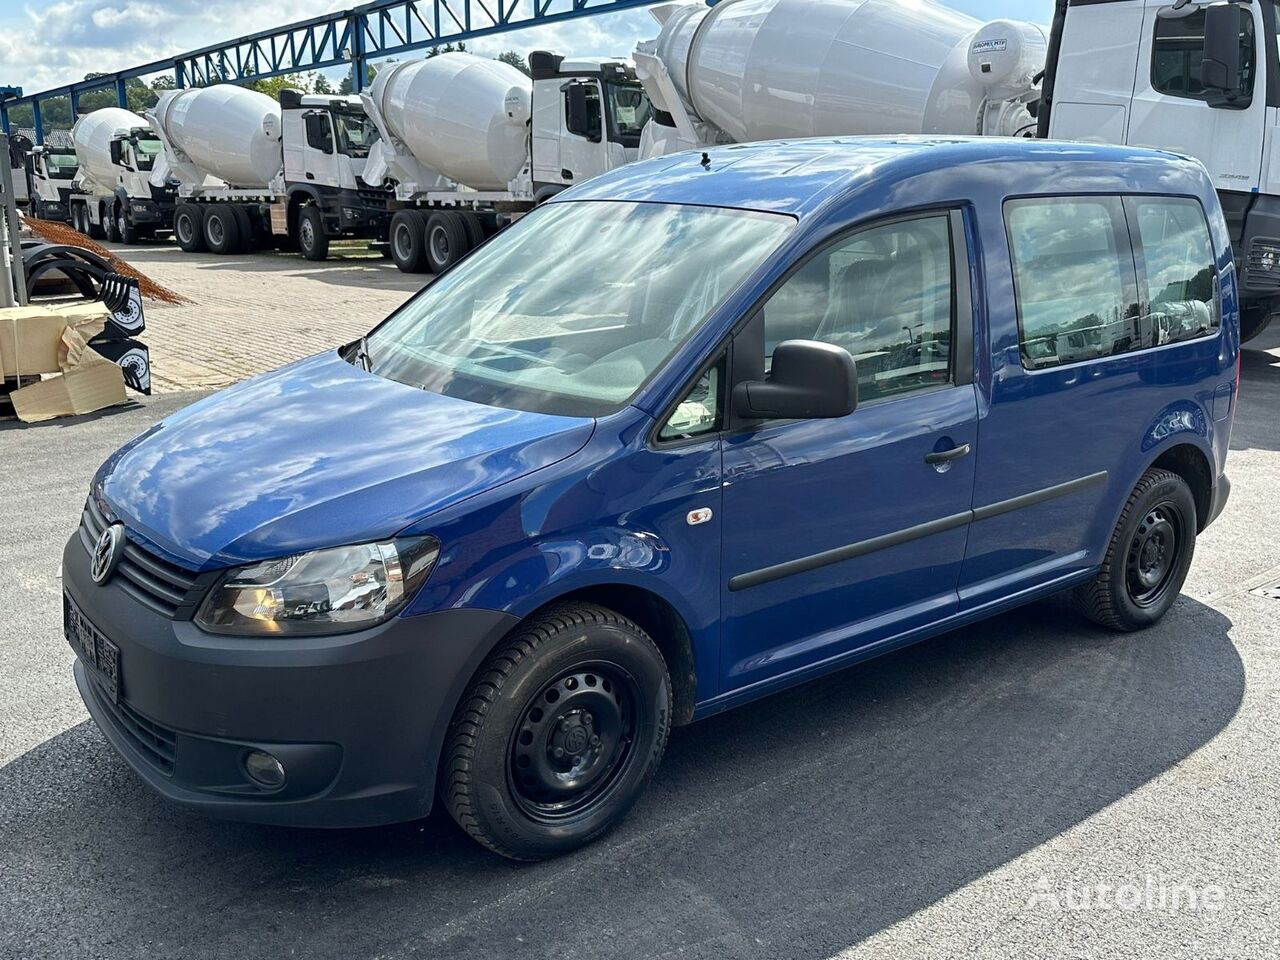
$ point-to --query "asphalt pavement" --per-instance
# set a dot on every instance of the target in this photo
(989, 793)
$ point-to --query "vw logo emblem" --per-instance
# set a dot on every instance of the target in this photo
(106, 553)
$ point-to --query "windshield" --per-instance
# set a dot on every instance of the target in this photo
(146, 152)
(60, 166)
(575, 306)
(356, 133)
(629, 111)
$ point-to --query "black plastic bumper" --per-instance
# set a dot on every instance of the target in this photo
(358, 720)
(1221, 494)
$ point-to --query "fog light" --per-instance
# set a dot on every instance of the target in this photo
(264, 769)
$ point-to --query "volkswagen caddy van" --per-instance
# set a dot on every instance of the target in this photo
(695, 431)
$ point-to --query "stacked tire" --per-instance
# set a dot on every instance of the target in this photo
(420, 241)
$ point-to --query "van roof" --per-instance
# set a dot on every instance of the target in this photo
(799, 176)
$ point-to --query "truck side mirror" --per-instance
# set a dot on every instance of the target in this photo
(808, 380)
(1220, 69)
(582, 115)
(117, 152)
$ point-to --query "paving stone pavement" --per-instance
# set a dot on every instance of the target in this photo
(255, 312)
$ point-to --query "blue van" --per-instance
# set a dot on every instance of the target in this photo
(692, 432)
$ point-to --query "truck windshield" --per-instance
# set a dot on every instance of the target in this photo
(356, 133)
(629, 111)
(145, 152)
(573, 308)
(61, 166)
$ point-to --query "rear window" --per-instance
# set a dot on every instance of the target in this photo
(1100, 276)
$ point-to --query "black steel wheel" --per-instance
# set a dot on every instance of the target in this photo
(312, 240)
(558, 734)
(406, 241)
(1149, 555)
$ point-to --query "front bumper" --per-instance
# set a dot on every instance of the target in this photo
(358, 720)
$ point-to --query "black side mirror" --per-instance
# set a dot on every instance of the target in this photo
(808, 380)
(579, 117)
(1220, 68)
(117, 152)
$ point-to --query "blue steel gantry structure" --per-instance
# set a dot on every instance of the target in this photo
(355, 37)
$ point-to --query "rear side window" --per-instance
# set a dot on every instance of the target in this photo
(1176, 257)
(1179, 49)
(1074, 279)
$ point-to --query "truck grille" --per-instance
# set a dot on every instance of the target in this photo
(155, 583)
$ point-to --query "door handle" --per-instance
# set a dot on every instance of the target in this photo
(946, 456)
(310, 175)
(566, 173)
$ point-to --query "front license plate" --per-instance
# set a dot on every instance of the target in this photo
(99, 655)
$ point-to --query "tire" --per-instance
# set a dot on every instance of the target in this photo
(580, 679)
(188, 228)
(94, 230)
(446, 241)
(125, 231)
(76, 223)
(108, 219)
(1148, 558)
(406, 240)
(221, 229)
(246, 228)
(474, 229)
(312, 240)
(1254, 320)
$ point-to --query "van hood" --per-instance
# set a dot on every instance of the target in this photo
(317, 454)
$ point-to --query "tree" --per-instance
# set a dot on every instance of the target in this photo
(448, 48)
(271, 86)
(370, 71)
(515, 59)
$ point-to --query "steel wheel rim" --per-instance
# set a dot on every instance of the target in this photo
(403, 241)
(1153, 555)
(440, 245)
(217, 232)
(184, 229)
(121, 225)
(307, 234)
(574, 742)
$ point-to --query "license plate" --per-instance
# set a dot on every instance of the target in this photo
(99, 655)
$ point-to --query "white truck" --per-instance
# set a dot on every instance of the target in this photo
(467, 143)
(251, 171)
(49, 172)
(112, 195)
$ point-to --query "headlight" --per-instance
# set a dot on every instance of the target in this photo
(325, 591)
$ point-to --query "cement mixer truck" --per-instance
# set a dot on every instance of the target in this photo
(468, 143)
(49, 172)
(112, 195)
(254, 172)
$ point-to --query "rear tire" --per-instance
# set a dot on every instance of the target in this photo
(93, 230)
(446, 241)
(558, 734)
(221, 229)
(406, 241)
(108, 218)
(1148, 558)
(474, 229)
(246, 244)
(312, 240)
(188, 228)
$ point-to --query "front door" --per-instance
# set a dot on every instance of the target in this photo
(842, 533)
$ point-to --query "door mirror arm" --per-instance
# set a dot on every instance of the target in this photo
(808, 380)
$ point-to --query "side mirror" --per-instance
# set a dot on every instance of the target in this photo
(117, 152)
(809, 380)
(1220, 68)
(579, 117)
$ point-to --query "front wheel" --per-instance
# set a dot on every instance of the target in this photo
(125, 229)
(1148, 558)
(312, 240)
(558, 734)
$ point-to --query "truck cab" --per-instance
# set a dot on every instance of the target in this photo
(1192, 78)
(588, 116)
(49, 173)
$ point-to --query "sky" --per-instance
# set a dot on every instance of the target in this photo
(46, 44)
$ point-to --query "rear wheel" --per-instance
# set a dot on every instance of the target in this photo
(312, 240)
(559, 733)
(107, 217)
(1148, 558)
(188, 227)
(245, 226)
(407, 241)
(221, 229)
(125, 230)
(446, 240)
(473, 227)
(93, 230)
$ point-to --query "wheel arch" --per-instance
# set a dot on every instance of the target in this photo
(1191, 463)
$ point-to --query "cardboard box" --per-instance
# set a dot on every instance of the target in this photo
(88, 382)
(31, 337)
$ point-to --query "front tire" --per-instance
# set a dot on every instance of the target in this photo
(558, 734)
(125, 229)
(1148, 558)
(312, 240)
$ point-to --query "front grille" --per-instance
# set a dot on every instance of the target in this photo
(157, 744)
(153, 582)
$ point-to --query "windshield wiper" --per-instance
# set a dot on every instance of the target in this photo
(362, 355)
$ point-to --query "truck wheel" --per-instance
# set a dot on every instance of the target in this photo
(188, 228)
(474, 228)
(107, 217)
(407, 241)
(558, 734)
(246, 244)
(1148, 557)
(124, 226)
(94, 230)
(221, 229)
(1253, 320)
(446, 241)
(312, 240)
